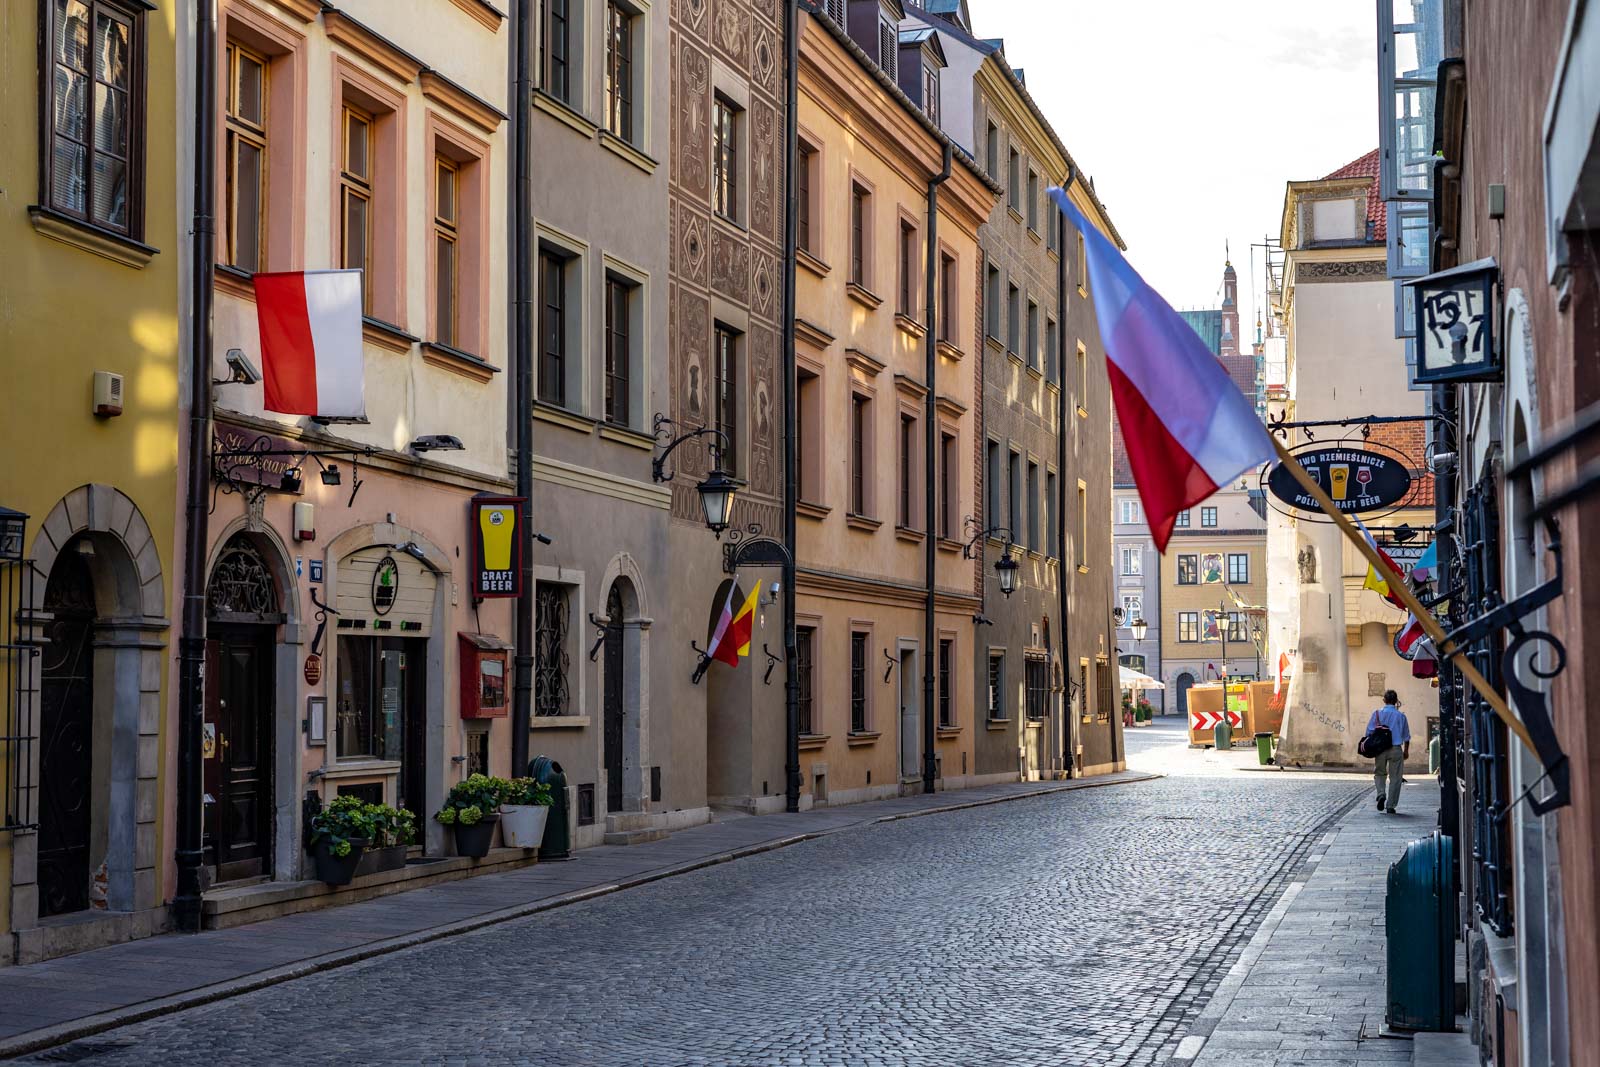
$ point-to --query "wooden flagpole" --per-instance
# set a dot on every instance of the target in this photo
(1430, 625)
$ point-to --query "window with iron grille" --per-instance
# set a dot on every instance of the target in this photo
(858, 683)
(92, 150)
(804, 640)
(1487, 742)
(997, 685)
(947, 707)
(1038, 683)
(551, 661)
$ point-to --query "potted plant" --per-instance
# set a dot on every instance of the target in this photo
(340, 833)
(1146, 710)
(393, 831)
(523, 809)
(473, 808)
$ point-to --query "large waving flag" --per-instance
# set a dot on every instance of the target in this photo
(311, 359)
(732, 637)
(1187, 428)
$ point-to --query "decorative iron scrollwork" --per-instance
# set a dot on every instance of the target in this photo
(1533, 705)
(749, 548)
(241, 582)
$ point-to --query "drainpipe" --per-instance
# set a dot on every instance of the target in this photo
(930, 439)
(791, 480)
(190, 853)
(1069, 754)
(522, 407)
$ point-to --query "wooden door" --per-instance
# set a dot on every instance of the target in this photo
(910, 719)
(406, 659)
(66, 737)
(239, 777)
(613, 697)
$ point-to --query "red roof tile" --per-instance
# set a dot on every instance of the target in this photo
(1367, 167)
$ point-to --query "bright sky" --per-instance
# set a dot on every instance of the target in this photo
(1192, 116)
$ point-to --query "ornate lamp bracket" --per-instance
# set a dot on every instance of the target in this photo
(749, 548)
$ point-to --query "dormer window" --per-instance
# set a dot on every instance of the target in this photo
(930, 94)
(889, 48)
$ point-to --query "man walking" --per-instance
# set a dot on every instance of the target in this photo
(1390, 762)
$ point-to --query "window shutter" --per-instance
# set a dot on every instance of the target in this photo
(836, 11)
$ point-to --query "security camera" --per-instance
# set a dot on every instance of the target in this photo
(1442, 462)
(243, 371)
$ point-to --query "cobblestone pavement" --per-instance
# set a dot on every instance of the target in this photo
(1078, 928)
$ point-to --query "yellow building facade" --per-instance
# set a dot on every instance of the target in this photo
(89, 358)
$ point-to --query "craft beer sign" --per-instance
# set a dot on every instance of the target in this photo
(1358, 479)
(496, 546)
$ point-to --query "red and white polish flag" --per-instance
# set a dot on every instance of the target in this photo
(311, 360)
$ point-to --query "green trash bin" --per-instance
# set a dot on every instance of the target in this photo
(1264, 748)
(1419, 921)
(557, 841)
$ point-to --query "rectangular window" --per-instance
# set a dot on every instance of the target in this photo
(1208, 516)
(1188, 570)
(889, 49)
(1127, 512)
(1035, 512)
(355, 199)
(446, 241)
(1033, 200)
(804, 177)
(992, 303)
(991, 510)
(244, 160)
(992, 152)
(1033, 335)
(1188, 626)
(1238, 568)
(1083, 380)
(908, 453)
(1054, 220)
(1051, 511)
(1052, 360)
(1083, 527)
(1132, 608)
(1014, 182)
(552, 662)
(725, 157)
(1014, 494)
(997, 685)
(858, 683)
(553, 328)
(858, 235)
(1132, 560)
(804, 641)
(949, 491)
(1014, 320)
(1238, 626)
(725, 406)
(858, 454)
(947, 666)
(907, 303)
(619, 70)
(1183, 519)
(93, 150)
(555, 47)
(1038, 685)
(948, 306)
(1083, 268)
(808, 435)
(930, 93)
(619, 349)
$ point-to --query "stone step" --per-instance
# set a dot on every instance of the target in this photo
(620, 821)
(634, 837)
(1443, 1050)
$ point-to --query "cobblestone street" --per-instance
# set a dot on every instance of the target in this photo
(1079, 928)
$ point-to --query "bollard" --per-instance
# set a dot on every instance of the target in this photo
(1223, 735)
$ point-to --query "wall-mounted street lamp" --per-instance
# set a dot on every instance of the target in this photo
(716, 490)
(1006, 569)
(1139, 628)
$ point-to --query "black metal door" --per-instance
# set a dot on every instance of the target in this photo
(241, 830)
(613, 670)
(66, 737)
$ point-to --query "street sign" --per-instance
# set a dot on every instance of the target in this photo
(1208, 720)
(1359, 480)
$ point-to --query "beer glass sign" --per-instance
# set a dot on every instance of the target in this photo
(496, 546)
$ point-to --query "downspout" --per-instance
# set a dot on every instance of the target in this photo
(791, 481)
(522, 408)
(930, 439)
(1069, 751)
(190, 853)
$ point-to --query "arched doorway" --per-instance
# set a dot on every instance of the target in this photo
(1182, 684)
(66, 734)
(243, 615)
(630, 783)
(613, 696)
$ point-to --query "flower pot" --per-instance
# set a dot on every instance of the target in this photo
(378, 860)
(474, 840)
(337, 870)
(522, 825)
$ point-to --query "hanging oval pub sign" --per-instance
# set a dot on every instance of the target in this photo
(1357, 479)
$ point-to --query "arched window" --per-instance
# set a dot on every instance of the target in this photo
(241, 587)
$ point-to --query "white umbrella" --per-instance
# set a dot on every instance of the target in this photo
(1132, 679)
